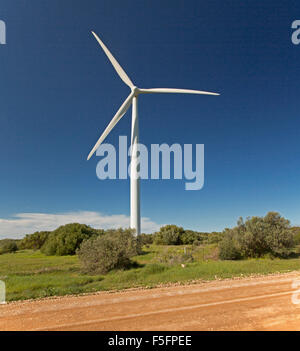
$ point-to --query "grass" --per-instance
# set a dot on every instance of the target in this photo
(30, 274)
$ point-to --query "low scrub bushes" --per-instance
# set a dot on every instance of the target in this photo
(229, 247)
(146, 239)
(171, 257)
(174, 235)
(258, 236)
(8, 246)
(112, 250)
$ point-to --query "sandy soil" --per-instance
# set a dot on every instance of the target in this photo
(261, 303)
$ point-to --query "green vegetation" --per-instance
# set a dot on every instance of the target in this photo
(169, 235)
(257, 237)
(66, 239)
(8, 246)
(112, 250)
(30, 274)
(46, 264)
(174, 235)
(296, 234)
(34, 241)
(145, 239)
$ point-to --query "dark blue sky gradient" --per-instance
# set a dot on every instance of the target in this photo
(58, 92)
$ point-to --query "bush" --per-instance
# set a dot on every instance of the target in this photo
(296, 234)
(197, 242)
(214, 238)
(189, 237)
(258, 236)
(174, 258)
(34, 241)
(145, 239)
(66, 239)
(229, 247)
(110, 251)
(8, 246)
(169, 235)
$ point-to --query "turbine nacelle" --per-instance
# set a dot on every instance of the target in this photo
(135, 91)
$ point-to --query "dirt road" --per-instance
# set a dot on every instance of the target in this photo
(263, 303)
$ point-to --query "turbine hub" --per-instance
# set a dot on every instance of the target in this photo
(135, 90)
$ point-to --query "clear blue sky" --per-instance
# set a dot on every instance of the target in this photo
(58, 92)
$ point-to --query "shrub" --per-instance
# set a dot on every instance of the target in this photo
(34, 241)
(188, 237)
(66, 239)
(110, 251)
(197, 242)
(145, 239)
(258, 236)
(214, 238)
(175, 257)
(8, 246)
(169, 235)
(229, 247)
(296, 234)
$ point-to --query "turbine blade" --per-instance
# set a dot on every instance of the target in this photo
(121, 112)
(171, 90)
(114, 62)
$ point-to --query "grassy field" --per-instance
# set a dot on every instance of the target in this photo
(30, 274)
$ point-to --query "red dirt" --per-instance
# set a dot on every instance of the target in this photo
(263, 303)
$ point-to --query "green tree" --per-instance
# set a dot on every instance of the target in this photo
(214, 238)
(169, 235)
(189, 237)
(66, 239)
(258, 236)
(296, 235)
(34, 241)
(279, 237)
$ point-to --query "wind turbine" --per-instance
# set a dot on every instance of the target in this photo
(135, 216)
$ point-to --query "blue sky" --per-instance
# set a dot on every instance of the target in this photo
(58, 92)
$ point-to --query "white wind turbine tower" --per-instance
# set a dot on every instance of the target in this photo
(135, 216)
